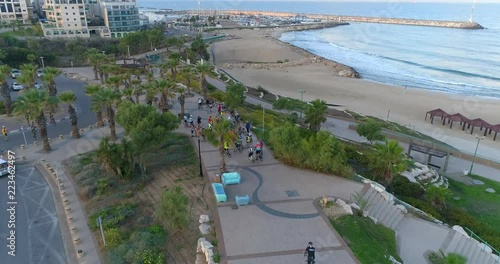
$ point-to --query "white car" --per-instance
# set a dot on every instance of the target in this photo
(15, 73)
(16, 86)
(39, 73)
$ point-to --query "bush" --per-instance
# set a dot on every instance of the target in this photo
(149, 256)
(133, 250)
(424, 206)
(173, 209)
(218, 95)
(2, 108)
(401, 186)
(112, 216)
(113, 238)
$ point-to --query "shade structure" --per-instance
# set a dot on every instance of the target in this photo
(436, 112)
(478, 122)
(496, 129)
(458, 118)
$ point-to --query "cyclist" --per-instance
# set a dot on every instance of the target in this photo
(238, 144)
(200, 102)
(210, 121)
(309, 252)
(250, 154)
(249, 139)
(258, 150)
(210, 126)
(226, 146)
(191, 121)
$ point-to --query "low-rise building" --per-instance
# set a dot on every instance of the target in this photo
(65, 18)
(11, 10)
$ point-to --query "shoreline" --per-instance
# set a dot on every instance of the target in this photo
(406, 107)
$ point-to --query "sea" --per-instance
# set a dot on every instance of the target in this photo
(457, 61)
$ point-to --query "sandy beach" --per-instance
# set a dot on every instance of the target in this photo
(407, 107)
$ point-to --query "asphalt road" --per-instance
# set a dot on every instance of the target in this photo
(37, 233)
(85, 116)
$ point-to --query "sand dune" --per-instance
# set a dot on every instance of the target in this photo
(407, 107)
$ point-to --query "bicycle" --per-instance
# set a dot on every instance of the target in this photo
(226, 153)
(238, 146)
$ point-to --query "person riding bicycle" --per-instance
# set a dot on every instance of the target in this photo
(258, 150)
(226, 146)
(238, 143)
(210, 120)
(310, 253)
(250, 154)
(200, 101)
(249, 138)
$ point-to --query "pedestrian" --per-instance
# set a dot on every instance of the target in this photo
(309, 252)
(192, 130)
(4, 133)
(247, 126)
(198, 120)
(203, 135)
(219, 108)
(217, 119)
(210, 121)
(198, 132)
(237, 116)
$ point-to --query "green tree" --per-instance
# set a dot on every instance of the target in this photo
(173, 210)
(106, 98)
(169, 42)
(32, 105)
(437, 196)
(370, 130)
(49, 75)
(95, 58)
(181, 40)
(4, 89)
(188, 74)
(155, 36)
(219, 134)
(164, 87)
(92, 91)
(69, 98)
(182, 98)
(316, 114)
(387, 161)
(146, 128)
(204, 69)
(31, 57)
(28, 76)
(235, 95)
(199, 48)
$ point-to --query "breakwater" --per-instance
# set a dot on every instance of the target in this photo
(361, 19)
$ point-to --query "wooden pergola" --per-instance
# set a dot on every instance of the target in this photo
(478, 122)
(437, 112)
(458, 118)
(495, 128)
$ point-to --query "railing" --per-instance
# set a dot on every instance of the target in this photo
(478, 238)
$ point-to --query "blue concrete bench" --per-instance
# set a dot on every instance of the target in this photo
(229, 178)
(242, 200)
(220, 194)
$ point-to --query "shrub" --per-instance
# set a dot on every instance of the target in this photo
(133, 250)
(112, 216)
(218, 95)
(102, 186)
(401, 186)
(113, 238)
(173, 209)
(424, 206)
(216, 257)
(149, 256)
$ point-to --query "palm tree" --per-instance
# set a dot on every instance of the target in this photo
(180, 43)
(28, 76)
(128, 92)
(182, 98)
(220, 133)
(204, 69)
(136, 89)
(114, 82)
(437, 196)
(387, 161)
(315, 114)
(4, 89)
(106, 98)
(49, 74)
(188, 74)
(163, 86)
(69, 97)
(95, 59)
(91, 91)
(172, 65)
(32, 105)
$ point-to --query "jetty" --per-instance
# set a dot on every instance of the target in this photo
(340, 19)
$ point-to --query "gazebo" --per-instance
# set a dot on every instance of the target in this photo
(431, 152)
(495, 128)
(437, 112)
(478, 122)
(458, 118)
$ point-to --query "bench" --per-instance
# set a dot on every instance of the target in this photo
(220, 194)
(242, 200)
(229, 178)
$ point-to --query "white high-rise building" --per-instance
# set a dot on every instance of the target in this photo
(16, 10)
(65, 18)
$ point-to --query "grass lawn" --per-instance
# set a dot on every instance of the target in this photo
(474, 199)
(20, 33)
(370, 243)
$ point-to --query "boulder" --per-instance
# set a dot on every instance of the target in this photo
(418, 165)
(199, 259)
(204, 229)
(460, 230)
(429, 175)
(340, 202)
(347, 209)
(200, 241)
(378, 188)
(204, 219)
(355, 206)
(490, 190)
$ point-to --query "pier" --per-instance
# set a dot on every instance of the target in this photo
(360, 19)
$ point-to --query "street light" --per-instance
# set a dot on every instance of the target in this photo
(475, 153)
(103, 52)
(43, 64)
(199, 156)
(24, 136)
(128, 51)
(302, 100)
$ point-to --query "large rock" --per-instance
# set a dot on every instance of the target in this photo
(204, 229)
(199, 248)
(340, 202)
(355, 206)
(199, 259)
(425, 170)
(347, 209)
(418, 165)
(204, 219)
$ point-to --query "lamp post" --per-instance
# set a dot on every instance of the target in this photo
(302, 100)
(263, 114)
(128, 51)
(199, 156)
(103, 52)
(43, 64)
(475, 153)
(24, 136)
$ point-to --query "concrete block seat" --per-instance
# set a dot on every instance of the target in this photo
(242, 200)
(220, 194)
(229, 178)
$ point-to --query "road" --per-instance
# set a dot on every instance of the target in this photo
(85, 116)
(37, 233)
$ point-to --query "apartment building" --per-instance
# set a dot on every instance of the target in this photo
(120, 16)
(65, 18)
(16, 10)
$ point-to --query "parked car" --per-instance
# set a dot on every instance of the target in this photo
(16, 86)
(37, 85)
(39, 73)
(15, 73)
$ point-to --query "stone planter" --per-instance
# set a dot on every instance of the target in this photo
(66, 201)
(61, 137)
(68, 209)
(79, 253)
(23, 146)
(72, 228)
(71, 219)
(76, 240)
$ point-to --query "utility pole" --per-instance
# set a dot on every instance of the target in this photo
(475, 153)
(302, 100)
(43, 64)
